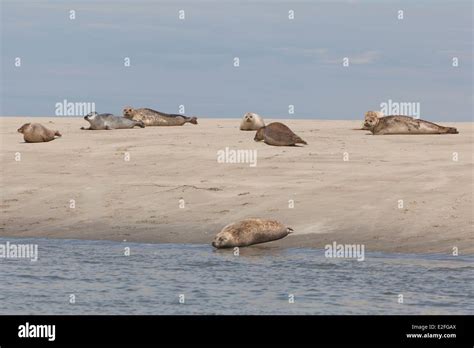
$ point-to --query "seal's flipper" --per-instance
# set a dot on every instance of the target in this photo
(298, 140)
(452, 130)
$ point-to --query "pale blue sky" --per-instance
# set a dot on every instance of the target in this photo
(282, 61)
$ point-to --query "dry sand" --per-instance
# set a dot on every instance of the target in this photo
(354, 201)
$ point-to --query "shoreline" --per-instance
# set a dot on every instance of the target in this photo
(350, 202)
(254, 250)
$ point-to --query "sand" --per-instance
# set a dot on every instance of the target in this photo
(353, 201)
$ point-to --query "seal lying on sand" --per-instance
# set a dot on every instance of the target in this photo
(37, 133)
(109, 121)
(404, 125)
(251, 121)
(378, 114)
(250, 231)
(278, 134)
(155, 118)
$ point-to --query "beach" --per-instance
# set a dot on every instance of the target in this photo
(397, 193)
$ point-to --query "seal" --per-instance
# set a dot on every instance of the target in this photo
(250, 231)
(109, 121)
(378, 114)
(278, 134)
(251, 121)
(37, 133)
(398, 124)
(155, 118)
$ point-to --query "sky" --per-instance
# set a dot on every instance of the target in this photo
(282, 61)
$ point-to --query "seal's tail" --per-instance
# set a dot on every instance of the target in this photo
(193, 120)
(451, 130)
(289, 230)
(57, 134)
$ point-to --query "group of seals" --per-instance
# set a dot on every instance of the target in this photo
(135, 117)
(398, 124)
(276, 133)
(255, 231)
(152, 117)
(250, 231)
(37, 133)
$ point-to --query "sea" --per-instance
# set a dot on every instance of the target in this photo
(122, 278)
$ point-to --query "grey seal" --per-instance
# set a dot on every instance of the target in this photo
(109, 121)
(277, 134)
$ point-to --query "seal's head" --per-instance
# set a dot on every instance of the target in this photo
(371, 120)
(259, 136)
(374, 113)
(23, 128)
(249, 117)
(222, 240)
(128, 112)
(91, 116)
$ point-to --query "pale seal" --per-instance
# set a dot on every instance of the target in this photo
(250, 231)
(37, 133)
(278, 134)
(404, 125)
(378, 114)
(109, 121)
(155, 118)
(251, 121)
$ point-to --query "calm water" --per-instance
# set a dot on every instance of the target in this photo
(151, 279)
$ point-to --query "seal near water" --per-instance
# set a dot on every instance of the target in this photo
(368, 114)
(277, 134)
(155, 118)
(250, 231)
(37, 133)
(251, 121)
(404, 125)
(109, 121)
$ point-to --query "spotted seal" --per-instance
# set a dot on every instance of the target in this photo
(250, 231)
(37, 133)
(398, 124)
(152, 117)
